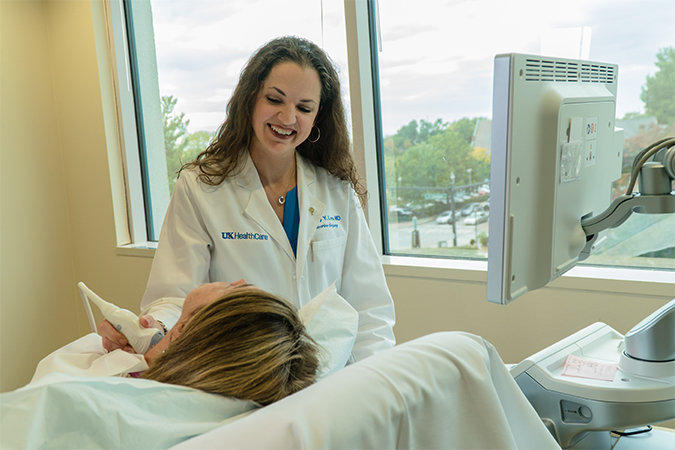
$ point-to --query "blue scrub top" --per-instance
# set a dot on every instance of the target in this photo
(292, 218)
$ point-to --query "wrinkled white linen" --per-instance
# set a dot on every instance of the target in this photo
(66, 412)
(446, 390)
(85, 357)
(333, 323)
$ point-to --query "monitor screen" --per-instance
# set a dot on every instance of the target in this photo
(555, 154)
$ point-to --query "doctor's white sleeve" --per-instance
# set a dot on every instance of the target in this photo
(182, 258)
(364, 286)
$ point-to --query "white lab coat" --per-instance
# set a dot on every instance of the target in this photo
(230, 231)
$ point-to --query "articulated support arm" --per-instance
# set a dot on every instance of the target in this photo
(655, 197)
(620, 210)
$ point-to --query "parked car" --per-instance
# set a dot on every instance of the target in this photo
(401, 213)
(477, 217)
(471, 208)
(446, 217)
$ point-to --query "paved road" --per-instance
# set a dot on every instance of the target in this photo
(431, 233)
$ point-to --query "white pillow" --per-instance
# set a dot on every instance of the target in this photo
(332, 323)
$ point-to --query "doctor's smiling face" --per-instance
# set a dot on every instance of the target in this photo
(196, 299)
(285, 110)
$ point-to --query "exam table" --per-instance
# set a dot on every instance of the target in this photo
(445, 390)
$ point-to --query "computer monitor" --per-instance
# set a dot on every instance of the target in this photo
(555, 154)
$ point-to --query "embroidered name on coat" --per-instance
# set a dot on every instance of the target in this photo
(329, 221)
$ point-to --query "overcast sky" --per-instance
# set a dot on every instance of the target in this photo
(437, 55)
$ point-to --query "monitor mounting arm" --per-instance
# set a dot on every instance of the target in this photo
(655, 196)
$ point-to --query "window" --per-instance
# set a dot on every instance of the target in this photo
(435, 86)
(435, 82)
(185, 60)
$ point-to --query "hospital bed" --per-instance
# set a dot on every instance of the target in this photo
(445, 390)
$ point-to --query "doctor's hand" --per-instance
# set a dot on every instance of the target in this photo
(113, 339)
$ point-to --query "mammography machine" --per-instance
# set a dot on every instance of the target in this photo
(555, 154)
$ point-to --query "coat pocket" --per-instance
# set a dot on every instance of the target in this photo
(327, 258)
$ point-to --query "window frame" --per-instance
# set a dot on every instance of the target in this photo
(137, 171)
(126, 119)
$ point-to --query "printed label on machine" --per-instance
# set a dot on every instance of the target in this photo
(584, 368)
(572, 152)
(591, 141)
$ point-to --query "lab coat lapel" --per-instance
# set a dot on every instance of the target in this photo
(256, 206)
(311, 210)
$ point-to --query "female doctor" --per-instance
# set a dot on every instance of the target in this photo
(274, 199)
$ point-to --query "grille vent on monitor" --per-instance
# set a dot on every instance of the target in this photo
(568, 71)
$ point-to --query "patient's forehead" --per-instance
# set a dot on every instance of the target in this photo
(204, 295)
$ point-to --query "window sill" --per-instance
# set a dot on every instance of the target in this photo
(643, 282)
(142, 249)
(585, 278)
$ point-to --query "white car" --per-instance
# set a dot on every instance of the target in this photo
(471, 208)
(477, 217)
(446, 217)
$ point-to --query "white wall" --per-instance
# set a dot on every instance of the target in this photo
(37, 294)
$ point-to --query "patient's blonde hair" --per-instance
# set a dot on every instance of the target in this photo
(249, 344)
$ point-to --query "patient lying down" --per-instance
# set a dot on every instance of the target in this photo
(242, 343)
(231, 339)
(247, 344)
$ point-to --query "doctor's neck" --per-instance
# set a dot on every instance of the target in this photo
(276, 171)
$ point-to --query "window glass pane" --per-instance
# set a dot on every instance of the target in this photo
(201, 46)
(436, 69)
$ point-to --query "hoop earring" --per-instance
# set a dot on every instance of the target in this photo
(317, 137)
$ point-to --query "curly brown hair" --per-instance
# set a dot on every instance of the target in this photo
(332, 152)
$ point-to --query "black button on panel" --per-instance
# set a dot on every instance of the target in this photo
(575, 412)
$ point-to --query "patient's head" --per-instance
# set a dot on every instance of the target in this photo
(196, 299)
(247, 344)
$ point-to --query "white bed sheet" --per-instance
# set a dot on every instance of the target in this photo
(445, 390)
(62, 411)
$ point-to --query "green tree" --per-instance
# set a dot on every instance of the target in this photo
(405, 136)
(465, 127)
(430, 164)
(181, 147)
(428, 129)
(192, 145)
(195, 143)
(414, 133)
(456, 157)
(658, 93)
(175, 131)
(426, 154)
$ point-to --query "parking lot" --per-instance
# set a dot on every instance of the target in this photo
(433, 234)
